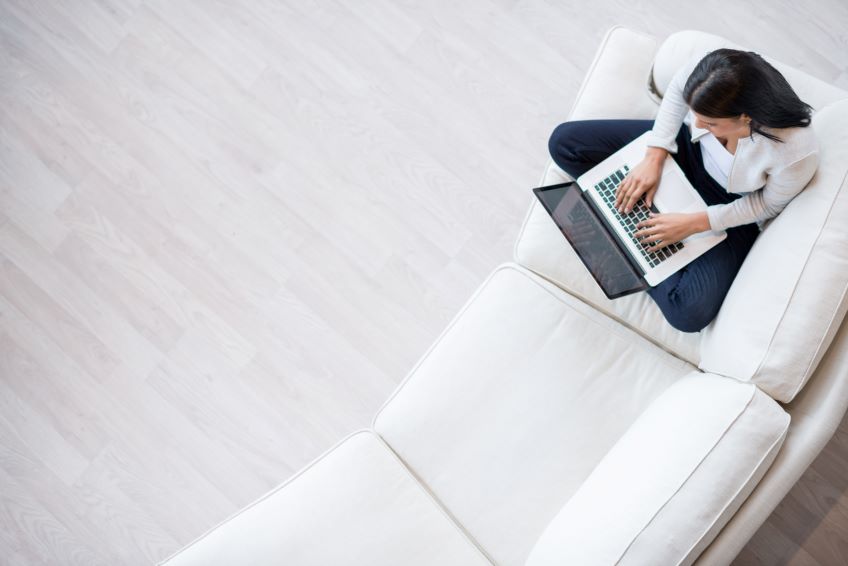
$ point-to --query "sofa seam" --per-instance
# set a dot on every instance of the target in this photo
(527, 216)
(794, 291)
(424, 488)
(592, 67)
(545, 286)
(436, 342)
(689, 475)
(777, 442)
(809, 369)
(267, 494)
(368, 431)
(600, 51)
(597, 58)
(646, 337)
(534, 202)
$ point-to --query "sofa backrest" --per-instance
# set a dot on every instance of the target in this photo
(789, 297)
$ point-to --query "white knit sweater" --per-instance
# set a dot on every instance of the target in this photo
(769, 174)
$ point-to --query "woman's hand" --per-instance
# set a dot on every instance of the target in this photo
(661, 230)
(643, 179)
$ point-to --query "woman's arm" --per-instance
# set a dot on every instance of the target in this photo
(780, 188)
(643, 179)
(673, 109)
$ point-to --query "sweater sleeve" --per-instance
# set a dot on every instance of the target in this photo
(673, 110)
(780, 188)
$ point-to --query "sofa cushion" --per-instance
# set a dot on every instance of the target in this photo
(516, 402)
(356, 504)
(789, 297)
(672, 481)
(542, 248)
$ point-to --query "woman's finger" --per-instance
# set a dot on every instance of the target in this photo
(620, 200)
(649, 239)
(649, 198)
(632, 199)
(658, 245)
(622, 190)
(650, 235)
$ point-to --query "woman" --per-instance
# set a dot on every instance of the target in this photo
(749, 152)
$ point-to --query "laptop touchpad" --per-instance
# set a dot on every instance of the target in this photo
(675, 195)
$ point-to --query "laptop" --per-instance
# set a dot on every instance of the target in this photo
(603, 238)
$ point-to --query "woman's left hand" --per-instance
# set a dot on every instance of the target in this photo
(661, 230)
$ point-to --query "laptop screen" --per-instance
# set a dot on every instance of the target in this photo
(585, 232)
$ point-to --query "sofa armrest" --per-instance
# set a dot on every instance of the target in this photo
(617, 83)
(672, 481)
(816, 413)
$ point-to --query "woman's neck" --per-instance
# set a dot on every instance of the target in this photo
(729, 143)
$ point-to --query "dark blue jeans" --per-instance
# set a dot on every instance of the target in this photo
(689, 299)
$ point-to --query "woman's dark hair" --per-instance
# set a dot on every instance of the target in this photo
(728, 82)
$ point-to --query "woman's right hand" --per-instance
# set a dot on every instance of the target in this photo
(643, 179)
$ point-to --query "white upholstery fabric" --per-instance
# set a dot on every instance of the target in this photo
(672, 481)
(542, 248)
(516, 402)
(790, 295)
(357, 504)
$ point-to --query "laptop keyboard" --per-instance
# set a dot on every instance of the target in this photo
(606, 188)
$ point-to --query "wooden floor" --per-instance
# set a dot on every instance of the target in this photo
(228, 229)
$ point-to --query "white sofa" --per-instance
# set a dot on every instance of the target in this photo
(549, 425)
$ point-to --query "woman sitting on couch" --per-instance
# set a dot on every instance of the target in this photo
(750, 153)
